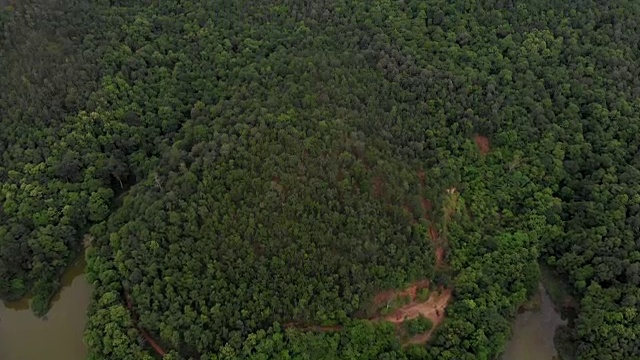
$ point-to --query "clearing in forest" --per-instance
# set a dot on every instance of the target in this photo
(483, 144)
(411, 292)
(398, 306)
(378, 187)
(433, 308)
(422, 176)
(433, 232)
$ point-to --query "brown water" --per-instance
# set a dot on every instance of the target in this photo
(26, 337)
(533, 332)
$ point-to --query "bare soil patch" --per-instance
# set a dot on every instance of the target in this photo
(439, 256)
(378, 187)
(483, 144)
(433, 308)
(426, 206)
(145, 334)
(433, 233)
(411, 292)
(315, 328)
(409, 213)
(422, 176)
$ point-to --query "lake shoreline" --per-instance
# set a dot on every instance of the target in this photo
(533, 329)
(57, 336)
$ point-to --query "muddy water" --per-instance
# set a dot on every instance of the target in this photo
(533, 332)
(24, 336)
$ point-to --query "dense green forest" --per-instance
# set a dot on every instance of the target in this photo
(249, 176)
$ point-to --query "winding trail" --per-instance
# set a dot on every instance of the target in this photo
(145, 334)
(434, 308)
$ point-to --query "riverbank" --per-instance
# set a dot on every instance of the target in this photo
(560, 292)
(59, 335)
(533, 330)
(568, 305)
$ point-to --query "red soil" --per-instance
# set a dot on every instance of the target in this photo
(426, 206)
(411, 292)
(378, 186)
(145, 334)
(433, 233)
(407, 209)
(483, 144)
(314, 328)
(154, 345)
(436, 320)
(422, 176)
(439, 256)
(433, 309)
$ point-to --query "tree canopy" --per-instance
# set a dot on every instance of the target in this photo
(253, 174)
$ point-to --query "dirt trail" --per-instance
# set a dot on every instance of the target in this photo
(145, 334)
(422, 176)
(433, 309)
(483, 144)
(378, 187)
(315, 328)
(410, 292)
(435, 238)
(426, 205)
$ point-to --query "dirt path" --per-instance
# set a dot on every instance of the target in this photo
(315, 328)
(145, 334)
(426, 205)
(422, 176)
(411, 292)
(483, 144)
(378, 187)
(433, 309)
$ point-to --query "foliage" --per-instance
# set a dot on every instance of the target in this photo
(248, 164)
(418, 325)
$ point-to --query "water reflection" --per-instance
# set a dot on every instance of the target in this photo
(22, 304)
(24, 336)
(533, 332)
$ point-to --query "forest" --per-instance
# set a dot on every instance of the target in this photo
(293, 179)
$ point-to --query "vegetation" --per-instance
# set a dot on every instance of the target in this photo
(418, 325)
(246, 165)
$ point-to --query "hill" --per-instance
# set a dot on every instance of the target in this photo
(270, 179)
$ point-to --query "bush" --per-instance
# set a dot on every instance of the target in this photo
(419, 325)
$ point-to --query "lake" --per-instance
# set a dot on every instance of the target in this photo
(59, 337)
(533, 332)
